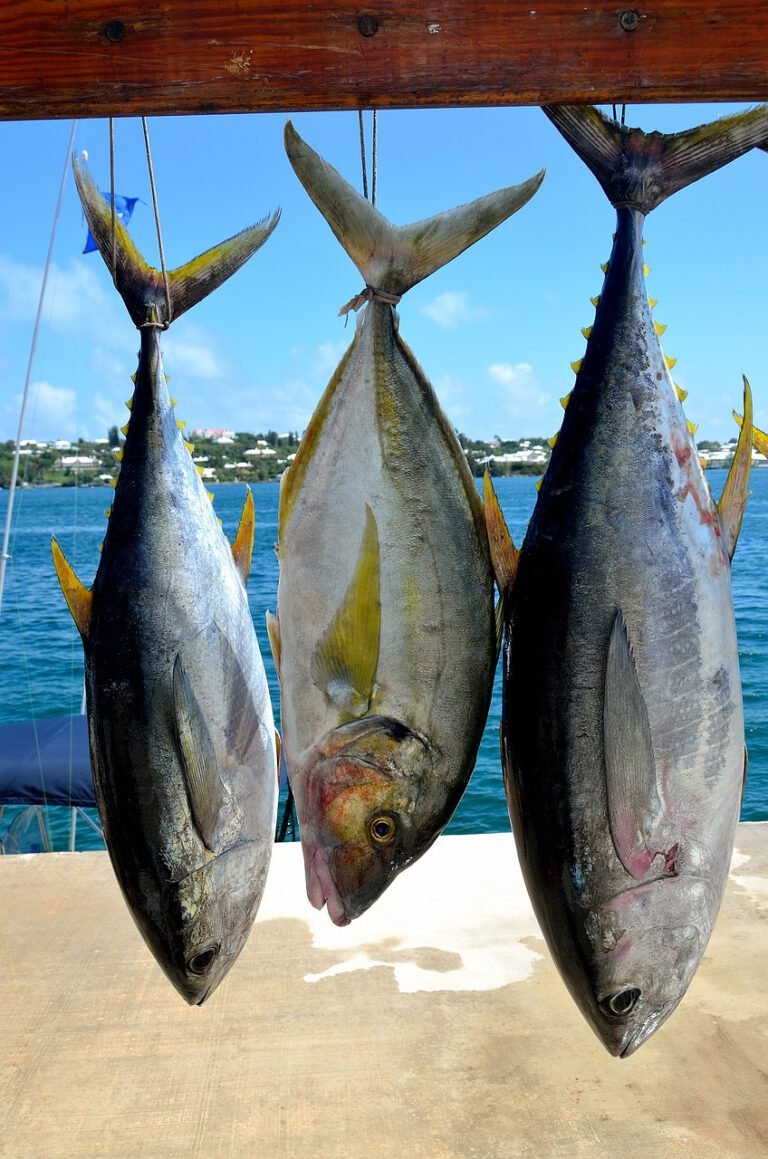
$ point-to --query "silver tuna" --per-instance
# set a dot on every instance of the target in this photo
(384, 640)
(181, 731)
(622, 731)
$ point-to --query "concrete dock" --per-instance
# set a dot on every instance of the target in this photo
(433, 1027)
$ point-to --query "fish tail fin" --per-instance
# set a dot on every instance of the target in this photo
(79, 598)
(142, 287)
(640, 170)
(393, 258)
(733, 500)
(504, 554)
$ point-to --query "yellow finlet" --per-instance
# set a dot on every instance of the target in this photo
(200, 470)
(180, 423)
(129, 404)
(692, 427)
(595, 301)
(108, 511)
(113, 481)
(553, 441)
(101, 547)
(119, 455)
(173, 400)
(504, 554)
(208, 493)
(604, 266)
(646, 270)
(167, 377)
(670, 362)
(346, 659)
(242, 548)
(220, 522)
(586, 331)
(134, 376)
(79, 598)
(539, 483)
(659, 327)
(565, 399)
(681, 394)
(190, 446)
(124, 430)
(653, 303)
(576, 366)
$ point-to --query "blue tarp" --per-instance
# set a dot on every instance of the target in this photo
(46, 762)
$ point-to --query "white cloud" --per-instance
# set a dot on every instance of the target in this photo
(522, 397)
(192, 358)
(76, 300)
(451, 309)
(51, 411)
(328, 356)
(453, 398)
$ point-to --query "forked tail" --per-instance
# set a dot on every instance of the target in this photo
(393, 258)
(640, 170)
(141, 287)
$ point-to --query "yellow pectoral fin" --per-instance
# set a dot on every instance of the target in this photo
(345, 661)
(734, 497)
(504, 554)
(79, 598)
(242, 548)
(759, 438)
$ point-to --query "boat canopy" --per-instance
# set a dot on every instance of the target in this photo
(46, 762)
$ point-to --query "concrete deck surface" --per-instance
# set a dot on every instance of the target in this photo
(434, 1027)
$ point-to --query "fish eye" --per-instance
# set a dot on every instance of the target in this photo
(203, 959)
(382, 829)
(620, 1004)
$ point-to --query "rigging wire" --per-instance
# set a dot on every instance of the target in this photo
(157, 221)
(362, 153)
(4, 556)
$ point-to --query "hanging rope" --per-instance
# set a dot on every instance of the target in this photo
(375, 157)
(157, 223)
(362, 153)
(112, 194)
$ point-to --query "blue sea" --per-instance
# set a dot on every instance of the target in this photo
(41, 668)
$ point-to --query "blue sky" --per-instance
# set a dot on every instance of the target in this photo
(495, 331)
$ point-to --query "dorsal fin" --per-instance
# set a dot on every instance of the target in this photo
(242, 548)
(345, 661)
(393, 258)
(733, 500)
(641, 169)
(79, 598)
(141, 286)
(643, 835)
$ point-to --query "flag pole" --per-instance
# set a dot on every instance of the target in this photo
(4, 556)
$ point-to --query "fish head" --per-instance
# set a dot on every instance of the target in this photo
(362, 815)
(209, 915)
(646, 944)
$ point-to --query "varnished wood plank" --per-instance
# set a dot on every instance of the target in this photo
(63, 58)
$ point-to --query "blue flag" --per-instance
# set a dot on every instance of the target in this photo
(123, 210)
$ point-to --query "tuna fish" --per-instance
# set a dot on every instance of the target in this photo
(181, 732)
(622, 728)
(384, 639)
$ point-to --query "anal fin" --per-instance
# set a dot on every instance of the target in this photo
(345, 661)
(79, 598)
(242, 548)
(643, 835)
(734, 497)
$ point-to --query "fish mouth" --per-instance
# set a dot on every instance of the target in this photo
(321, 888)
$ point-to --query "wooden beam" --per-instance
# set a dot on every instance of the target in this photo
(88, 58)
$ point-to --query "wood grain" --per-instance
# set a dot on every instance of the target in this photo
(87, 58)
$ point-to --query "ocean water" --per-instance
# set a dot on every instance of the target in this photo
(41, 668)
